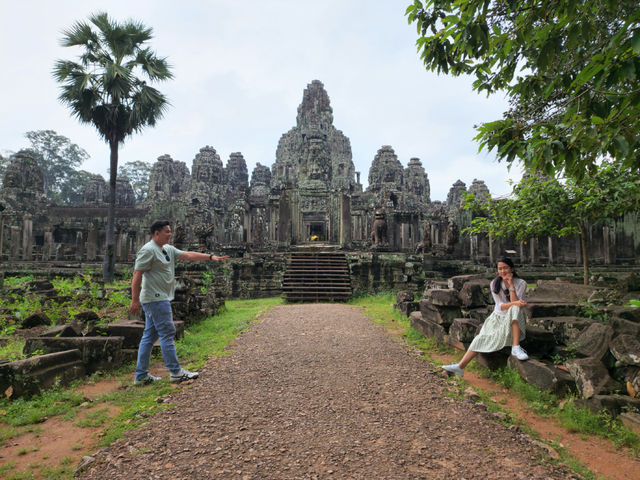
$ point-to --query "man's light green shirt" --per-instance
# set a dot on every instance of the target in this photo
(158, 265)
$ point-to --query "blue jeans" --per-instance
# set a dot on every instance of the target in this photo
(158, 324)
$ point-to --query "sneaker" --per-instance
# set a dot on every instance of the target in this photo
(183, 375)
(454, 368)
(148, 379)
(518, 352)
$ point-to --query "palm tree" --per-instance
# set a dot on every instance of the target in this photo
(104, 89)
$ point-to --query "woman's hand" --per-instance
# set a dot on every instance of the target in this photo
(519, 303)
(508, 280)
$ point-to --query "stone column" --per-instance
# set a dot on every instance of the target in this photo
(284, 219)
(47, 249)
(491, 249)
(522, 259)
(123, 247)
(15, 243)
(550, 248)
(606, 247)
(404, 227)
(27, 237)
(345, 220)
(92, 242)
(1, 234)
(532, 249)
(79, 246)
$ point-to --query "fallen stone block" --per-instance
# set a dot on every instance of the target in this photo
(539, 342)
(407, 307)
(543, 375)
(622, 326)
(457, 282)
(494, 360)
(443, 298)
(613, 404)
(476, 293)
(67, 330)
(631, 420)
(36, 319)
(463, 330)
(480, 313)
(626, 349)
(34, 374)
(427, 328)
(594, 341)
(565, 329)
(437, 314)
(546, 309)
(591, 376)
(404, 296)
(97, 353)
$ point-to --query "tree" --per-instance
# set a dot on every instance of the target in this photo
(570, 69)
(4, 161)
(58, 158)
(138, 173)
(104, 89)
(543, 206)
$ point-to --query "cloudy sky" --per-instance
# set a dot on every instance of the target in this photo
(240, 69)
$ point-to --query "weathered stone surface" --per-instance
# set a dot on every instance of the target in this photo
(96, 352)
(427, 328)
(565, 329)
(458, 281)
(591, 376)
(36, 319)
(545, 309)
(87, 317)
(631, 420)
(539, 342)
(40, 285)
(404, 296)
(476, 293)
(407, 307)
(480, 313)
(594, 340)
(631, 377)
(543, 375)
(439, 315)
(614, 404)
(628, 313)
(130, 331)
(626, 349)
(463, 330)
(621, 326)
(444, 298)
(494, 360)
(67, 330)
(29, 376)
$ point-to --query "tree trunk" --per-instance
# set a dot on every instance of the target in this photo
(585, 253)
(109, 265)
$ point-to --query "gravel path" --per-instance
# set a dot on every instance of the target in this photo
(318, 391)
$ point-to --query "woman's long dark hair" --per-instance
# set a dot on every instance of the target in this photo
(495, 283)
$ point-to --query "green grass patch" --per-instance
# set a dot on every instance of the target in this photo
(23, 411)
(94, 418)
(12, 349)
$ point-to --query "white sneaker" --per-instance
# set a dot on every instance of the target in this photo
(518, 352)
(454, 368)
(147, 380)
(182, 375)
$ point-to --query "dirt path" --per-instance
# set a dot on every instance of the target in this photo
(318, 391)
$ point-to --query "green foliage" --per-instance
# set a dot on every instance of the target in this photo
(22, 411)
(207, 281)
(594, 313)
(110, 87)
(59, 160)
(18, 282)
(137, 173)
(633, 303)
(93, 419)
(570, 70)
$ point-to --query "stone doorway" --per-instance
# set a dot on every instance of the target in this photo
(317, 232)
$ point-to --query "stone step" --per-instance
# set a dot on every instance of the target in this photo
(317, 276)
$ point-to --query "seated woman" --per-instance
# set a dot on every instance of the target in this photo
(506, 325)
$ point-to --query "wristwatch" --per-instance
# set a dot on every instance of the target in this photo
(211, 256)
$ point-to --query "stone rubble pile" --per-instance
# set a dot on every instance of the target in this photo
(597, 359)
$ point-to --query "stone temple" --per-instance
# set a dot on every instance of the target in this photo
(311, 193)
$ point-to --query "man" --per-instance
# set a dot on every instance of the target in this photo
(152, 289)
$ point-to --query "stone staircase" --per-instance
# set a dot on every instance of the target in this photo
(317, 276)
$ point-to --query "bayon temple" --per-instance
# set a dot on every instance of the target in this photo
(311, 193)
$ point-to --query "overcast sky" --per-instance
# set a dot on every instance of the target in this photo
(240, 69)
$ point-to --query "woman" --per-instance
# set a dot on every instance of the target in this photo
(506, 325)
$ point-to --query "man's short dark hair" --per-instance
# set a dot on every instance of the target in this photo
(159, 225)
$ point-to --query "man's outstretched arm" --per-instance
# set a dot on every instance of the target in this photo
(195, 256)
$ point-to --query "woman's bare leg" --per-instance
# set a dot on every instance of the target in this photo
(466, 358)
(515, 332)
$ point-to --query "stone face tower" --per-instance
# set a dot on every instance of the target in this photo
(316, 158)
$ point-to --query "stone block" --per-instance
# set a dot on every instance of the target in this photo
(550, 309)
(622, 326)
(96, 352)
(631, 420)
(543, 375)
(427, 328)
(443, 298)
(565, 329)
(457, 282)
(539, 342)
(130, 331)
(36, 319)
(594, 340)
(407, 307)
(437, 314)
(33, 374)
(404, 296)
(463, 330)
(480, 313)
(88, 318)
(591, 376)
(626, 349)
(631, 377)
(613, 404)
(67, 330)
(494, 360)
(628, 313)
(476, 293)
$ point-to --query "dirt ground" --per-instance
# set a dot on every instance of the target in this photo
(318, 391)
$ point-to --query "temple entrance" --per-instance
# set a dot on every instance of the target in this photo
(317, 232)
